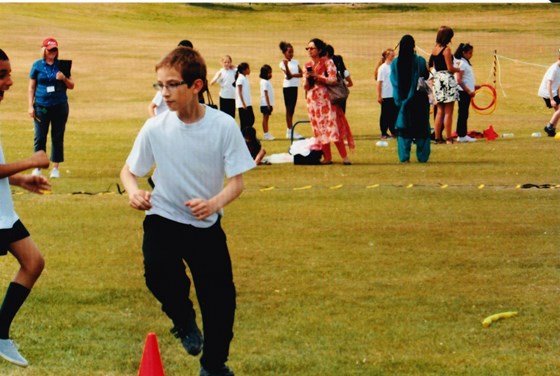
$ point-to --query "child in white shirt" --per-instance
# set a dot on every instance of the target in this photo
(267, 99)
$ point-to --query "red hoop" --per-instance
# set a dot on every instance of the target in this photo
(492, 103)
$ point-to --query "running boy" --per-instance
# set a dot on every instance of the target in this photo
(14, 237)
(548, 90)
(192, 147)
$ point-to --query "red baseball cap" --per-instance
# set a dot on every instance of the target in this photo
(50, 43)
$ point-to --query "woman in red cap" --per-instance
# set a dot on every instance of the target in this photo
(48, 102)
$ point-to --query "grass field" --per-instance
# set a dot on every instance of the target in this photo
(372, 269)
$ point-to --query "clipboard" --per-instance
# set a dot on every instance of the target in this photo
(65, 66)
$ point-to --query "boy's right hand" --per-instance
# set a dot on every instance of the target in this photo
(140, 199)
(40, 160)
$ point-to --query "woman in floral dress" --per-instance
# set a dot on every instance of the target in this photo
(327, 120)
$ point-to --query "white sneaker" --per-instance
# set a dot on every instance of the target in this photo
(297, 136)
(55, 173)
(36, 172)
(466, 138)
(268, 137)
(9, 351)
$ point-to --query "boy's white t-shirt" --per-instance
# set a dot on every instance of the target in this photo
(552, 74)
(190, 160)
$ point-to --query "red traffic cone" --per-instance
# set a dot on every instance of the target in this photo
(151, 365)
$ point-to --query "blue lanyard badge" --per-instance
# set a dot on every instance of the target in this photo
(50, 72)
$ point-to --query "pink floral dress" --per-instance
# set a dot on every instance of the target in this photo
(322, 114)
(327, 120)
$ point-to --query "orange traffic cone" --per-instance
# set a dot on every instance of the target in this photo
(151, 365)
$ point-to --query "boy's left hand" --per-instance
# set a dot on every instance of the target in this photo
(199, 207)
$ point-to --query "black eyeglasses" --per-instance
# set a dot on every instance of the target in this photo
(53, 50)
(172, 86)
(310, 48)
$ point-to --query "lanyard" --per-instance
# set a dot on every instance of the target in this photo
(50, 70)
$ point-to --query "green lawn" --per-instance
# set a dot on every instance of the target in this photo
(372, 269)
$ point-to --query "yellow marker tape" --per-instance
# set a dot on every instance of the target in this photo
(503, 315)
(46, 192)
(372, 186)
(304, 187)
(444, 186)
(518, 186)
(410, 186)
(481, 186)
(336, 186)
(267, 189)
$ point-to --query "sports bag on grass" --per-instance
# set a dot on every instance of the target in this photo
(306, 152)
(338, 93)
(313, 158)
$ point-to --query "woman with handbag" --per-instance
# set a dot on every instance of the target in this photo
(343, 76)
(327, 120)
(413, 119)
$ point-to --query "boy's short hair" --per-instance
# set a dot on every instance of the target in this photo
(188, 62)
(3, 55)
